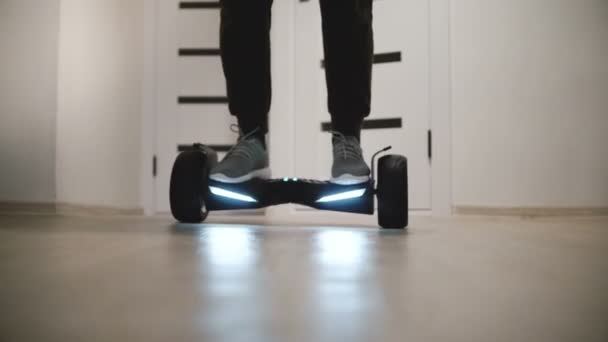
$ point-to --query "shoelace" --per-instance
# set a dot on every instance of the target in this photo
(241, 148)
(346, 146)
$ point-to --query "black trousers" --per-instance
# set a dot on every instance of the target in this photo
(348, 46)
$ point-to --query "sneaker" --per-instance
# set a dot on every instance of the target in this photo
(349, 167)
(247, 160)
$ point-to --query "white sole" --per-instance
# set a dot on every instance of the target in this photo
(260, 174)
(348, 179)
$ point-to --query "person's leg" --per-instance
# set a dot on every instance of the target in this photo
(349, 48)
(245, 48)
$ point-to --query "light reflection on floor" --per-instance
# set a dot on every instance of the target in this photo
(228, 246)
(242, 269)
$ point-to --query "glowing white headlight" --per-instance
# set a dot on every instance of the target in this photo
(342, 196)
(229, 194)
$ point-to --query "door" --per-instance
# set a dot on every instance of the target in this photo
(192, 105)
(400, 93)
(191, 95)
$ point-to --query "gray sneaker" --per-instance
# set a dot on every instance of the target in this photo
(349, 166)
(248, 159)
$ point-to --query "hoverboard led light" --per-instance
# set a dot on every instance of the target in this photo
(342, 196)
(232, 195)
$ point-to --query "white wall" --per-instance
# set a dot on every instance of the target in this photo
(99, 102)
(28, 89)
(530, 103)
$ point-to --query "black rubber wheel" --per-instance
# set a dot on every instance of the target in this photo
(189, 186)
(392, 192)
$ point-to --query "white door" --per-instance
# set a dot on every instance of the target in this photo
(400, 92)
(191, 95)
(192, 104)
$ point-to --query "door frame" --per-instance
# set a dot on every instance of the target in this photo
(441, 106)
(149, 108)
(282, 140)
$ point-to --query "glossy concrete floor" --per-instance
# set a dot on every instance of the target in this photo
(147, 279)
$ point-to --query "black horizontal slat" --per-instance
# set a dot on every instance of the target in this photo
(371, 124)
(202, 99)
(199, 5)
(199, 52)
(216, 148)
(379, 58)
(388, 57)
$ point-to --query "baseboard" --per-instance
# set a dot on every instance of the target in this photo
(94, 210)
(529, 211)
(27, 207)
(66, 209)
(8, 207)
